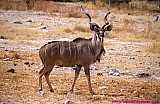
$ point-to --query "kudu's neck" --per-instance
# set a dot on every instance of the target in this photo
(96, 42)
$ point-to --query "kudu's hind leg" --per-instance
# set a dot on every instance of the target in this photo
(47, 73)
(87, 73)
(77, 70)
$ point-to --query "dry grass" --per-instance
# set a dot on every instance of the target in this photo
(12, 5)
(15, 55)
(17, 32)
(67, 30)
(9, 55)
(154, 47)
(127, 31)
(129, 28)
(74, 14)
(80, 28)
(72, 32)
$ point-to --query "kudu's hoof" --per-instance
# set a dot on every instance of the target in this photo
(40, 92)
(71, 91)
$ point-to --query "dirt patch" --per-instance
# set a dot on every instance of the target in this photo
(22, 86)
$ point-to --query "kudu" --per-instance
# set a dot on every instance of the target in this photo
(71, 53)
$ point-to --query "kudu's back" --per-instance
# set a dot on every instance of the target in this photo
(67, 53)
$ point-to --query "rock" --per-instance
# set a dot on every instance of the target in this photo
(114, 72)
(6, 50)
(26, 63)
(11, 70)
(138, 51)
(15, 64)
(17, 22)
(148, 68)
(68, 102)
(102, 87)
(29, 21)
(143, 75)
(132, 58)
(129, 13)
(92, 67)
(7, 59)
(32, 63)
(111, 49)
(99, 74)
(3, 37)
(44, 27)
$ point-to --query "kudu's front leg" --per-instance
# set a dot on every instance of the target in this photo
(77, 70)
(87, 73)
(47, 77)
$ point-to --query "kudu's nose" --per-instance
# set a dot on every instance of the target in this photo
(101, 33)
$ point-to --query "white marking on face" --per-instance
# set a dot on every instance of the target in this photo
(101, 32)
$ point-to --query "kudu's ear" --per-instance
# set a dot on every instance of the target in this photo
(93, 26)
(108, 28)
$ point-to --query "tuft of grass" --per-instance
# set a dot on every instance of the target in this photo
(74, 14)
(67, 30)
(154, 47)
(77, 28)
(81, 28)
(15, 55)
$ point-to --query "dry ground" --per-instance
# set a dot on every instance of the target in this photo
(128, 49)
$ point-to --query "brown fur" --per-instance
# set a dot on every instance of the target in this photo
(83, 39)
